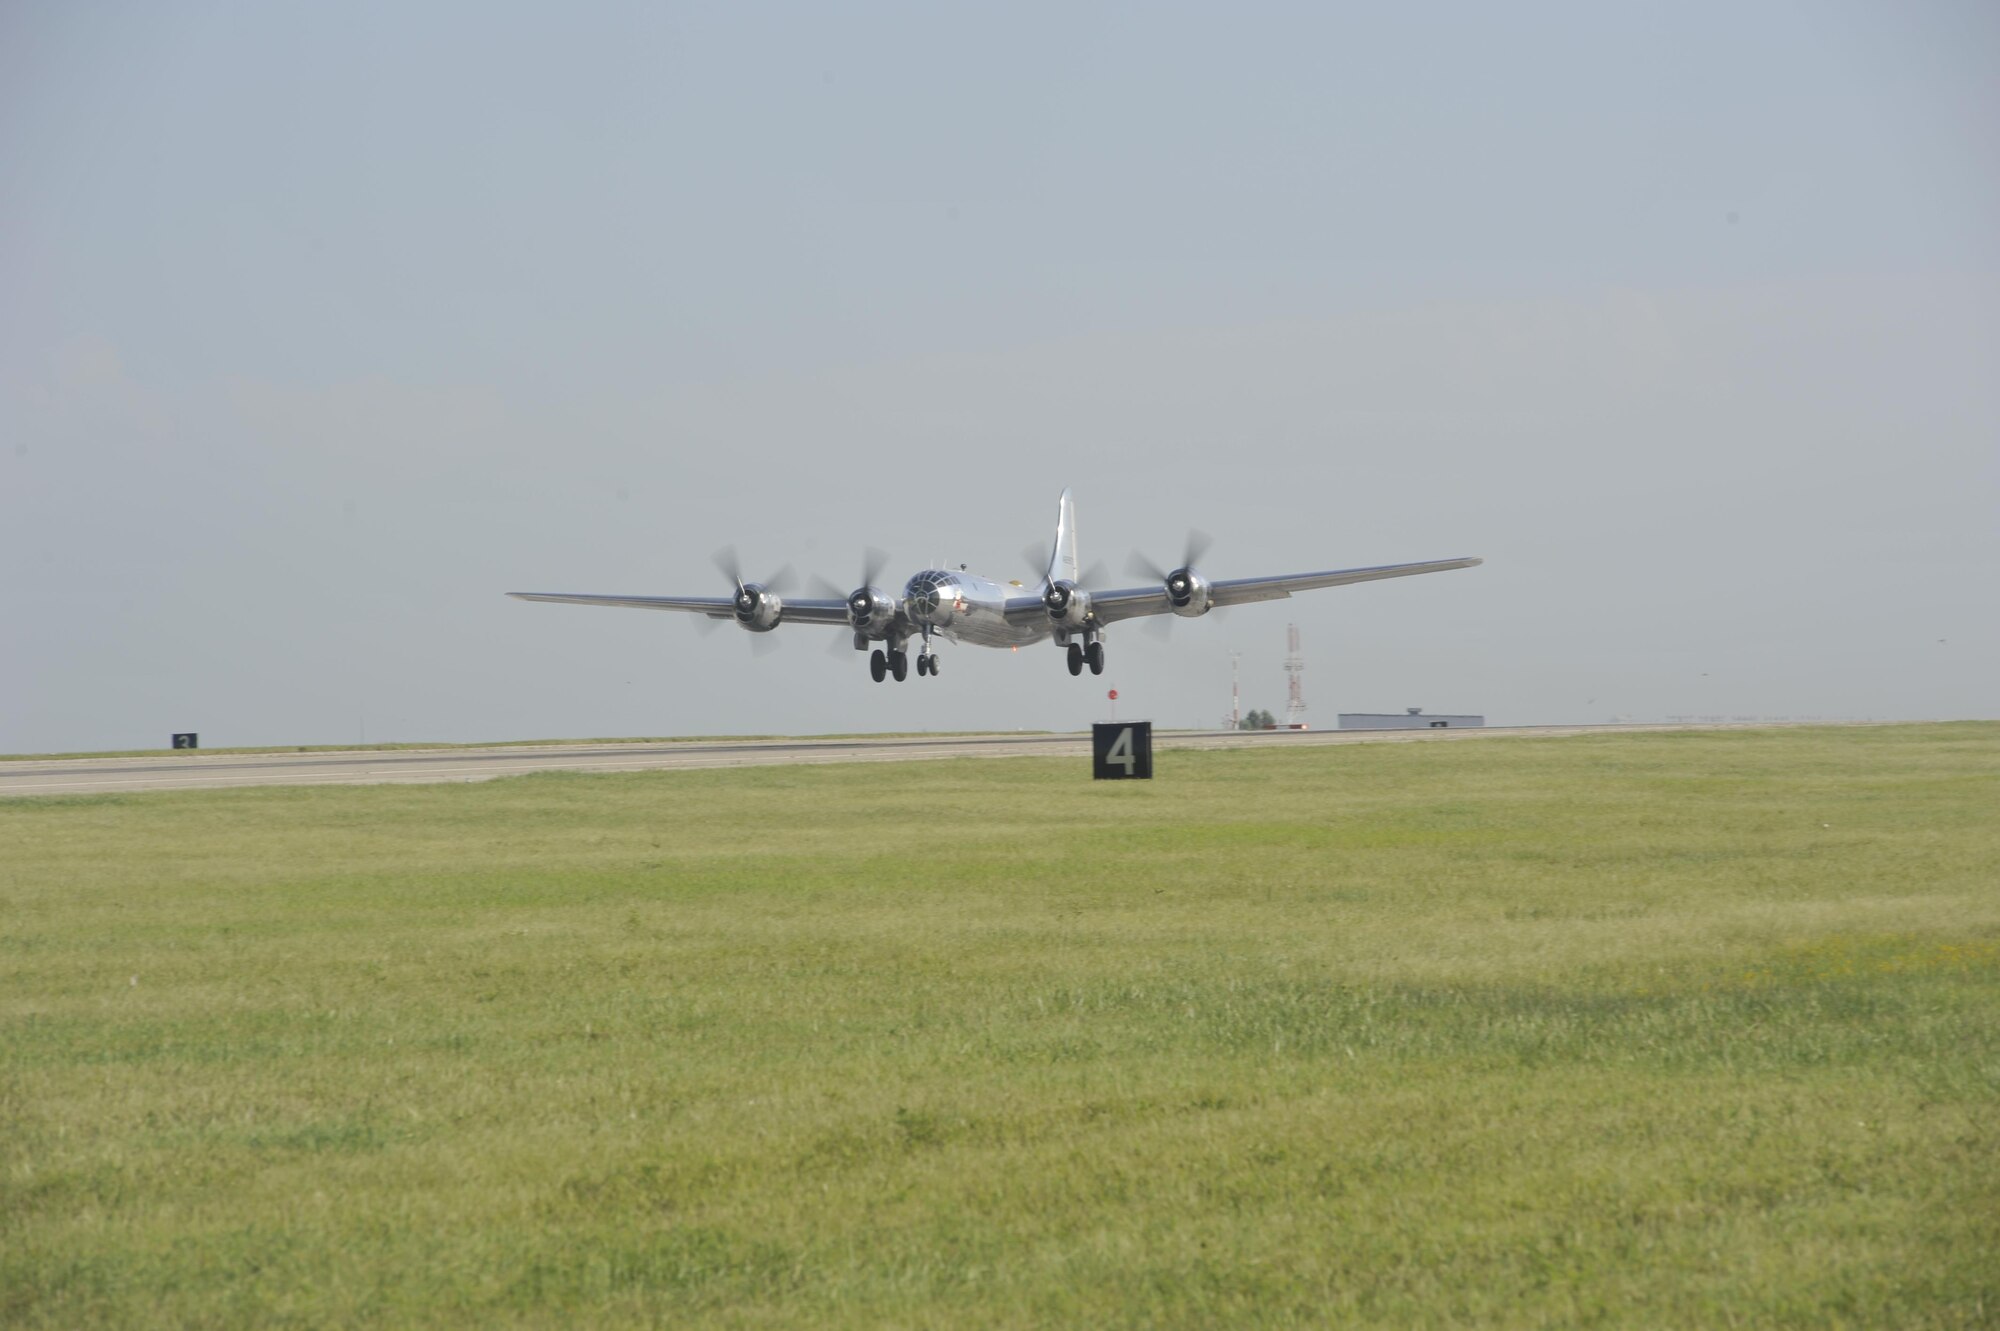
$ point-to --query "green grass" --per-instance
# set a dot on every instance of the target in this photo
(1691, 1029)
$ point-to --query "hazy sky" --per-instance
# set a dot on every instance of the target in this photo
(321, 326)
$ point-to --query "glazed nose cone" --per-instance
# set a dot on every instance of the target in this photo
(930, 597)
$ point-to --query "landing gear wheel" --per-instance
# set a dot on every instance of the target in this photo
(1094, 655)
(934, 665)
(899, 665)
(1076, 658)
(924, 664)
(878, 665)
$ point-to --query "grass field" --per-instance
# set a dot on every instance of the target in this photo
(1675, 1029)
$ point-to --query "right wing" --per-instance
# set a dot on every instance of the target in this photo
(715, 607)
(1132, 602)
(1241, 591)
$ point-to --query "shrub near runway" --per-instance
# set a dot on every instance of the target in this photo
(1695, 1029)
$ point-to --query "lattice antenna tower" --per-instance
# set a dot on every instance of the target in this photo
(1235, 694)
(1295, 666)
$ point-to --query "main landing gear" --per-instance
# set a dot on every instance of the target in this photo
(1083, 654)
(896, 662)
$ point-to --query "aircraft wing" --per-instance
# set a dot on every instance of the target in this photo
(1029, 609)
(715, 607)
(1132, 602)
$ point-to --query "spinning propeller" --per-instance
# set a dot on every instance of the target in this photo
(1139, 566)
(869, 609)
(1180, 582)
(755, 604)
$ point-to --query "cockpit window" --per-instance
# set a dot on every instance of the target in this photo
(927, 589)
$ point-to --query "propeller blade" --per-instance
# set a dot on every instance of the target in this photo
(763, 644)
(1158, 627)
(1094, 576)
(783, 580)
(824, 589)
(729, 565)
(873, 561)
(1192, 552)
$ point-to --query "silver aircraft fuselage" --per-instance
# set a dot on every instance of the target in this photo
(964, 607)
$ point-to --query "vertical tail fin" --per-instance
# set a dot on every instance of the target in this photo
(1062, 558)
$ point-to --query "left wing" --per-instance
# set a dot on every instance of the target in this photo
(1132, 602)
(715, 607)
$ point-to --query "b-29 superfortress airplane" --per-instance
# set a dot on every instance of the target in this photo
(964, 607)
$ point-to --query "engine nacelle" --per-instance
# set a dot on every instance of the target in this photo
(1068, 604)
(870, 611)
(1188, 592)
(756, 608)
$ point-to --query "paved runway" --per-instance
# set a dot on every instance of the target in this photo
(194, 771)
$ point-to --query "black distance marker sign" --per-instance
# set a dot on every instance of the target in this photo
(187, 739)
(1121, 750)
